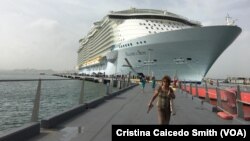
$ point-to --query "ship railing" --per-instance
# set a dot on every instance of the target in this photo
(233, 100)
(51, 97)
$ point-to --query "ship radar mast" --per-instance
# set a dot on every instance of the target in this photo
(229, 20)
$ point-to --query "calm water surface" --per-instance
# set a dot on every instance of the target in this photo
(16, 98)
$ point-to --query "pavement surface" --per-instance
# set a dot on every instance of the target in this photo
(130, 108)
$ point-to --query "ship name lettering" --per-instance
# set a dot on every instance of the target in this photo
(138, 52)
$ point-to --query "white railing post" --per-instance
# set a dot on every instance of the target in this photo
(218, 95)
(239, 103)
(107, 88)
(81, 93)
(207, 95)
(196, 89)
(35, 112)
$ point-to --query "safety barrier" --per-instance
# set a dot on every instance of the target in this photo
(232, 101)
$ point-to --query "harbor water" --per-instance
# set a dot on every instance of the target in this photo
(17, 97)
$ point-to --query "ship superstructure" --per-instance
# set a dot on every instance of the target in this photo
(153, 42)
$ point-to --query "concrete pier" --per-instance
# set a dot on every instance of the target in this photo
(130, 108)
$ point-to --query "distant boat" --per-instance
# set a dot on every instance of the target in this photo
(42, 73)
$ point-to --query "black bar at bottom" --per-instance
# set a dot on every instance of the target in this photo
(218, 132)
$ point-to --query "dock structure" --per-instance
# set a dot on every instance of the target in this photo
(130, 108)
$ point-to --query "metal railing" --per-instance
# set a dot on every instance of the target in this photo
(232, 100)
(82, 92)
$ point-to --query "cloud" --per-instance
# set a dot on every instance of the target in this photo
(46, 24)
(45, 34)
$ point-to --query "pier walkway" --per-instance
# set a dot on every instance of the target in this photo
(130, 108)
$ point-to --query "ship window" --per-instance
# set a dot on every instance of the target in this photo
(157, 28)
(131, 44)
(141, 42)
(144, 24)
(149, 32)
(161, 28)
(140, 23)
(154, 24)
(146, 20)
(146, 27)
(189, 59)
(152, 27)
(139, 61)
(137, 42)
(155, 60)
(145, 42)
(149, 24)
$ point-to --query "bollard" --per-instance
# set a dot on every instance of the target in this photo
(239, 103)
(81, 93)
(35, 112)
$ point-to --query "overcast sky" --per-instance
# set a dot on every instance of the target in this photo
(44, 34)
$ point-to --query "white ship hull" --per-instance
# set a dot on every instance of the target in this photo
(153, 42)
(187, 53)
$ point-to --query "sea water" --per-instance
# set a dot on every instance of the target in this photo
(17, 97)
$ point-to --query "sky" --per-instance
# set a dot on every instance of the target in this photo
(44, 34)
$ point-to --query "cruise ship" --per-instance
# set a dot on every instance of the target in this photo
(154, 43)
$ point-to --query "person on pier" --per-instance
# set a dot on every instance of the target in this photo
(164, 93)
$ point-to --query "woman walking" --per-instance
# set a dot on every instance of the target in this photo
(164, 94)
